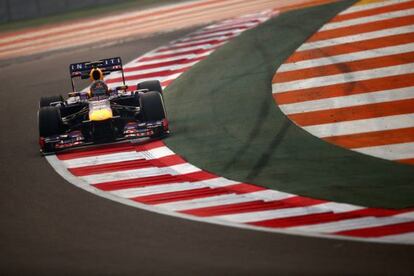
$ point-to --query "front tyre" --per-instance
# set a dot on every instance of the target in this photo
(152, 85)
(152, 106)
(47, 100)
(50, 121)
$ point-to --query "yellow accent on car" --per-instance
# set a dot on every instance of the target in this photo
(100, 115)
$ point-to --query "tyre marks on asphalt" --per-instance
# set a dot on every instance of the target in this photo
(352, 82)
(153, 177)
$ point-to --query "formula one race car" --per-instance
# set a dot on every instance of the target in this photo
(101, 115)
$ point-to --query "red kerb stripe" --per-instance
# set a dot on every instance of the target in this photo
(196, 193)
(154, 180)
(325, 217)
(94, 151)
(252, 206)
(380, 231)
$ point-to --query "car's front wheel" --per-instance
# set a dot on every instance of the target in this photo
(152, 85)
(50, 121)
(47, 100)
(152, 106)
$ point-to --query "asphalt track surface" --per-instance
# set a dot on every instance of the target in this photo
(50, 227)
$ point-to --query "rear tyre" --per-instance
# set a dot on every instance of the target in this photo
(50, 121)
(47, 100)
(152, 85)
(152, 106)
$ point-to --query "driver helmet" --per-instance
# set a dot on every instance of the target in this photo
(99, 88)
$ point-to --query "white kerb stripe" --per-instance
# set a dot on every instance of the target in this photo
(362, 126)
(205, 202)
(361, 55)
(367, 19)
(352, 224)
(405, 238)
(390, 152)
(181, 50)
(343, 78)
(134, 82)
(155, 61)
(349, 101)
(157, 153)
(172, 187)
(270, 214)
(266, 195)
(219, 38)
(204, 36)
(228, 27)
(102, 159)
(156, 70)
(357, 8)
(158, 189)
(284, 213)
(139, 173)
(117, 157)
(355, 38)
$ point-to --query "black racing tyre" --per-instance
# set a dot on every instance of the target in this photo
(152, 106)
(152, 85)
(47, 100)
(50, 121)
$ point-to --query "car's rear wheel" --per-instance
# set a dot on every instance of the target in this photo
(50, 121)
(152, 85)
(47, 100)
(152, 106)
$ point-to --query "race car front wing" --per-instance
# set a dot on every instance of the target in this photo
(132, 131)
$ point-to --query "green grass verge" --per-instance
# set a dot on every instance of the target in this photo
(85, 13)
(224, 120)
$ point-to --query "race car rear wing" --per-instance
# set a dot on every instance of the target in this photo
(83, 69)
